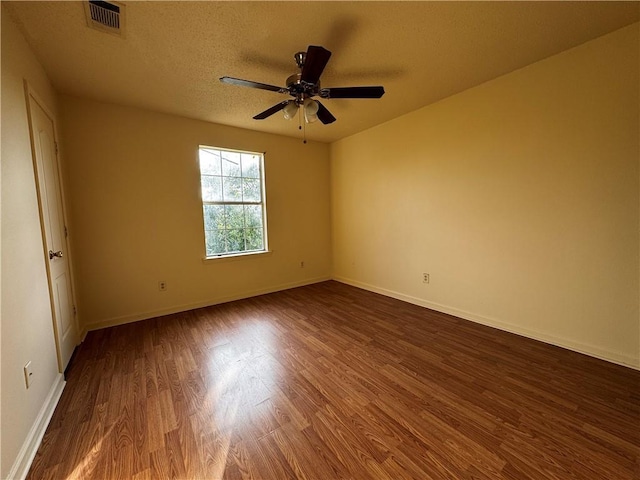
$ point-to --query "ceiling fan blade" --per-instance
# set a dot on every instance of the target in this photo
(314, 63)
(270, 111)
(324, 115)
(352, 92)
(247, 83)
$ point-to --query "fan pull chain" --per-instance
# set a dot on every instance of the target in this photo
(300, 125)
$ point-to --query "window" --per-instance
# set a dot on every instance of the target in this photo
(232, 201)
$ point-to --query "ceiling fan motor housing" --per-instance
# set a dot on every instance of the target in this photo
(301, 89)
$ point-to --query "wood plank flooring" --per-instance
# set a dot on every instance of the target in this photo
(329, 381)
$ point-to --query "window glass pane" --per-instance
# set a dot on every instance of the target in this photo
(250, 190)
(235, 240)
(214, 217)
(235, 216)
(232, 189)
(215, 242)
(211, 188)
(231, 164)
(250, 166)
(253, 216)
(210, 162)
(254, 239)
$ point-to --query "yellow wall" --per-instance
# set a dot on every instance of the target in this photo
(519, 197)
(25, 315)
(136, 215)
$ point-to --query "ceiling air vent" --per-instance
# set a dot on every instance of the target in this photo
(105, 16)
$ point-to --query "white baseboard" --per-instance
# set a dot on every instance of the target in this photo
(31, 444)
(591, 350)
(83, 334)
(112, 322)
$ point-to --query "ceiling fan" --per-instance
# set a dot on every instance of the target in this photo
(304, 86)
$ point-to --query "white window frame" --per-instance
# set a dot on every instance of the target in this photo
(262, 203)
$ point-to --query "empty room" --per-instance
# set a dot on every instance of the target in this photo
(320, 240)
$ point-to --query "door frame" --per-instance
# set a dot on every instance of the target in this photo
(32, 96)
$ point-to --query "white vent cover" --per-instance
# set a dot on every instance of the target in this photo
(105, 16)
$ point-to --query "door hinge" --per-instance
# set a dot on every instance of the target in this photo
(56, 143)
(66, 232)
(75, 311)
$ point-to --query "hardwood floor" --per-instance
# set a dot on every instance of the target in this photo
(329, 381)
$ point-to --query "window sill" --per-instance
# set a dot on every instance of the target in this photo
(236, 257)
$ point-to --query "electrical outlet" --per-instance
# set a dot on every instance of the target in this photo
(425, 278)
(162, 285)
(28, 374)
(302, 264)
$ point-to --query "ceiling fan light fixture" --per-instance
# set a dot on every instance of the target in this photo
(290, 110)
(310, 110)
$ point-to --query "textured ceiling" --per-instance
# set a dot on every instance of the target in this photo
(174, 52)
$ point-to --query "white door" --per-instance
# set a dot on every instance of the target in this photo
(44, 150)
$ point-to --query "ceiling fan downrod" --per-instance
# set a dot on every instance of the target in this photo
(300, 58)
